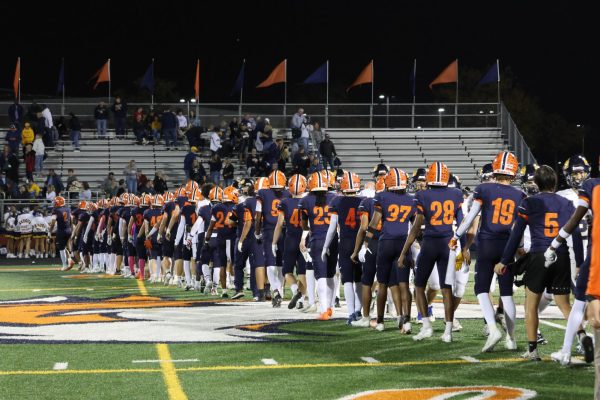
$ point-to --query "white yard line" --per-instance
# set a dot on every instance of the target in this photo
(470, 359)
(269, 361)
(160, 361)
(552, 324)
(369, 360)
(60, 366)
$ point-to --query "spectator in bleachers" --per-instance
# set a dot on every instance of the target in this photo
(3, 183)
(301, 161)
(252, 163)
(86, 193)
(150, 188)
(142, 180)
(71, 177)
(10, 166)
(130, 172)
(198, 173)
(155, 128)
(23, 193)
(328, 153)
(109, 185)
(13, 138)
(27, 135)
(194, 120)
(50, 193)
(228, 172)
(168, 123)
(244, 141)
(33, 110)
(188, 162)
(284, 155)
(271, 154)
(266, 136)
(215, 165)
(234, 132)
(318, 134)
(75, 128)
(138, 125)
(143, 186)
(160, 182)
(61, 127)
(215, 142)
(298, 121)
(119, 110)
(101, 117)
(48, 136)
(39, 149)
(315, 165)
(121, 188)
(15, 114)
(182, 123)
(29, 160)
(33, 189)
(54, 180)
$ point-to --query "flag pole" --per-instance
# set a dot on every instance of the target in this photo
(152, 94)
(62, 111)
(414, 98)
(242, 90)
(109, 82)
(456, 99)
(19, 89)
(372, 90)
(285, 92)
(327, 98)
(499, 111)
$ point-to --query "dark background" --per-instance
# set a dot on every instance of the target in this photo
(547, 47)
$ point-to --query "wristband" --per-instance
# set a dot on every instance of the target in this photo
(563, 234)
(372, 230)
(555, 244)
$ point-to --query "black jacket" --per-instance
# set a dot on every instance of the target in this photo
(101, 112)
(327, 149)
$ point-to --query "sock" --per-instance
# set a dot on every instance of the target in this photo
(448, 330)
(216, 276)
(532, 346)
(280, 278)
(349, 295)
(187, 272)
(131, 263)
(575, 319)
(273, 278)
(322, 293)
(310, 286)
(330, 292)
(95, 260)
(380, 319)
(206, 273)
(390, 302)
(510, 314)
(426, 323)
(488, 310)
(142, 266)
(63, 257)
(336, 288)
(294, 288)
(357, 296)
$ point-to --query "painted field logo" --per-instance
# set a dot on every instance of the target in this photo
(133, 319)
(444, 393)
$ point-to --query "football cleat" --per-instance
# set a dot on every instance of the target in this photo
(492, 340)
(510, 344)
(456, 326)
(310, 309)
(224, 295)
(237, 295)
(351, 318)
(446, 338)
(563, 358)
(407, 328)
(364, 322)
(300, 306)
(337, 302)
(424, 333)
(294, 301)
(541, 339)
(380, 327)
(276, 302)
(588, 348)
(531, 355)
(324, 316)
(330, 311)
(485, 331)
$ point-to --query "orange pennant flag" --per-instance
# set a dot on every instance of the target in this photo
(197, 83)
(17, 78)
(103, 74)
(448, 75)
(366, 76)
(278, 75)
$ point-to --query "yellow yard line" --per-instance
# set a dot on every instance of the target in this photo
(169, 373)
(167, 356)
(142, 287)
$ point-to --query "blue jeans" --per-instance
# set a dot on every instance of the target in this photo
(101, 128)
(303, 141)
(327, 160)
(39, 163)
(132, 184)
(228, 182)
(215, 176)
(75, 136)
(170, 137)
(120, 126)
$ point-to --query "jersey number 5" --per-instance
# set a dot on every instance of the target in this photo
(550, 224)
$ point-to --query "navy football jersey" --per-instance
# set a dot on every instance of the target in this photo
(367, 207)
(153, 216)
(219, 213)
(346, 208)
(269, 200)
(204, 213)
(440, 206)
(586, 190)
(237, 215)
(317, 216)
(397, 210)
(289, 208)
(499, 204)
(63, 219)
(188, 212)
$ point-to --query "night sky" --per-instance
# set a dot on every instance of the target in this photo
(548, 46)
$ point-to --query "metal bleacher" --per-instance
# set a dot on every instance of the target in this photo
(463, 150)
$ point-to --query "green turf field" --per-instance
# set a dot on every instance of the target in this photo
(109, 338)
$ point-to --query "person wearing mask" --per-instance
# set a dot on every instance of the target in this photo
(101, 117)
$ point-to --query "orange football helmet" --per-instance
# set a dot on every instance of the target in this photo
(505, 163)
(82, 205)
(438, 174)
(181, 192)
(261, 183)
(230, 194)
(396, 179)
(380, 184)
(91, 207)
(329, 177)
(216, 194)
(316, 182)
(125, 198)
(137, 201)
(158, 200)
(350, 183)
(148, 198)
(297, 184)
(277, 180)
(196, 196)
(59, 201)
(190, 186)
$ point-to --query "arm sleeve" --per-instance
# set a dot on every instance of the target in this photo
(88, 228)
(577, 246)
(122, 228)
(514, 240)
(468, 220)
(196, 226)
(180, 230)
(331, 230)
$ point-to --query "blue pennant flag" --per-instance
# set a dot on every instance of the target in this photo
(319, 76)
(491, 76)
(148, 79)
(239, 82)
(61, 78)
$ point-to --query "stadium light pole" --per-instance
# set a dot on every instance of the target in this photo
(387, 109)
(183, 101)
(440, 112)
(481, 113)
(196, 103)
(580, 126)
